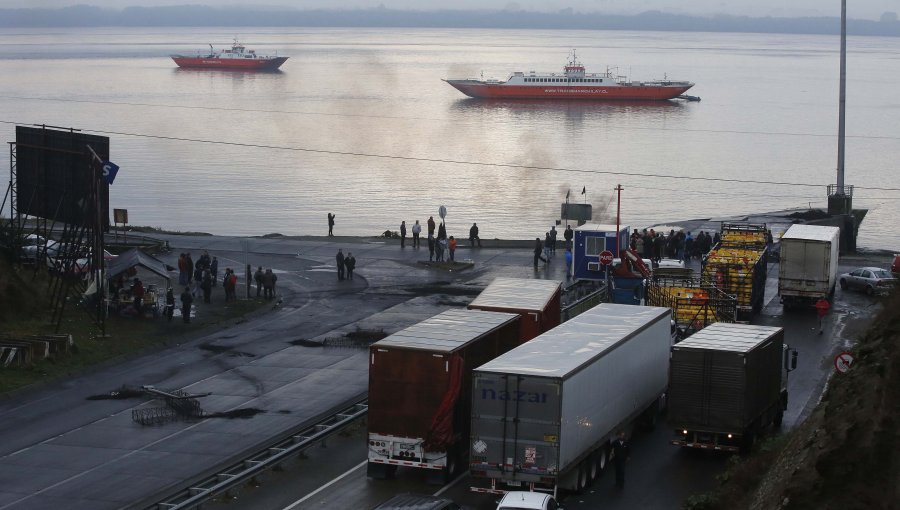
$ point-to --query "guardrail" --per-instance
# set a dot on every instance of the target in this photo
(267, 458)
(585, 298)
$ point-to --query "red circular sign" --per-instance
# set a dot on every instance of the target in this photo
(606, 257)
(843, 361)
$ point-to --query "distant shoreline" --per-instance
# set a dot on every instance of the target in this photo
(79, 16)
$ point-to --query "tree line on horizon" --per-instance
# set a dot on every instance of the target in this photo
(198, 15)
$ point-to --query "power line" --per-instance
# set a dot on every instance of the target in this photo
(328, 114)
(458, 162)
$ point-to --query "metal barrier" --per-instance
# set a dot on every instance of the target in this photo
(583, 296)
(266, 458)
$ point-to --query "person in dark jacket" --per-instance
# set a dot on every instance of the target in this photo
(170, 303)
(538, 249)
(206, 285)
(258, 278)
(473, 236)
(186, 300)
(620, 456)
(214, 270)
(339, 258)
(330, 224)
(350, 264)
(568, 235)
(137, 292)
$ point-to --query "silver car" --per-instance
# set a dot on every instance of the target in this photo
(873, 280)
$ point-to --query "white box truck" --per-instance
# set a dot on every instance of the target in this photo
(544, 414)
(809, 262)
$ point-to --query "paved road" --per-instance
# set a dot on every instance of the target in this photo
(660, 476)
(60, 450)
(63, 451)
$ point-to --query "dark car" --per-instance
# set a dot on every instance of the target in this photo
(418, 502)
(872, 280)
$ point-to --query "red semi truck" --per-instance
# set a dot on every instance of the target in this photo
(420, 390)
(538, 302)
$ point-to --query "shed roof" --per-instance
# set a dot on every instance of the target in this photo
(517, 294)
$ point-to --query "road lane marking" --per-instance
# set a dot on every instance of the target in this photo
(327, 485)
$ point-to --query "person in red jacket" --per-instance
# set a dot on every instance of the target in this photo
(822, 307)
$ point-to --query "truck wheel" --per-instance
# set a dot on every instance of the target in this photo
(583, 473)
(601, 458)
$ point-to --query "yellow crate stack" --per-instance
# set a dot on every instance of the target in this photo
(731, 270)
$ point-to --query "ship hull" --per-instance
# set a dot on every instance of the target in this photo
(258, 64)
(478, 89)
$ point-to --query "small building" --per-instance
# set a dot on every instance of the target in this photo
(591, 239)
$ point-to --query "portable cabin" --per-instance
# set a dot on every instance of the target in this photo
(591, 239)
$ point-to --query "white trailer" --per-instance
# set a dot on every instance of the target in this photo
(544, 413)
(809, 262)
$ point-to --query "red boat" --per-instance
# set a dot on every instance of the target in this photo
(572, 83)
(238, 57)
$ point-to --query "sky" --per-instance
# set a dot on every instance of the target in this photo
(860, 9)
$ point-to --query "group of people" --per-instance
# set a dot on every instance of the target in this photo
(345, 264)
(676, 245)
(265, 282)
(439, 243)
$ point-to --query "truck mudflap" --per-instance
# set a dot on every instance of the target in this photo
(493, 489)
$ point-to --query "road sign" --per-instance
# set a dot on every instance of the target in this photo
(842, 362)
(442, 212)
(606, 257)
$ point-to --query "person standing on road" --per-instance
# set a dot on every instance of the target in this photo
(206, 285)
(339, 258)
(190, 267)
(170, 303)
(553, 239)
(430, 248)
(538, 249)
(451, 245)
(403, 234)
(568, 263)
(350, 263)
(214, 269)
(568, 235)
(186, 300)
(258, 278)
(416, 230)
(620, 456)
(268, 280)
(431, 226)
(822, 307)
(330, 224)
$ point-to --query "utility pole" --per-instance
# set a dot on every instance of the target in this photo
(618, 189)
(842, 100)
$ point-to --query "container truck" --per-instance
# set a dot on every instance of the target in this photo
(544, 414)
(538, 302)
(420, 390)
(727, 383)
(807, 271)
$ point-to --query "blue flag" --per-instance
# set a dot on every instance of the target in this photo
(110, 170)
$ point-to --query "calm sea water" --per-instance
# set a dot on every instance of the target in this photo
(359, 123)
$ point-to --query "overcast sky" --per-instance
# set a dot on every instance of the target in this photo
(861, 9)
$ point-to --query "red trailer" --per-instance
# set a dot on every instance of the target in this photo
(538, 302)
(420, 396)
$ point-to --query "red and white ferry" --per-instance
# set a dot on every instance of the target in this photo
(572, 83)
(238, 57)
